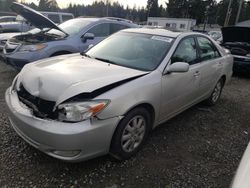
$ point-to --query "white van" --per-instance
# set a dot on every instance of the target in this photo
(58, 17)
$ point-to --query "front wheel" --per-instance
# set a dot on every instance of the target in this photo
(215, 96)
(130, 134)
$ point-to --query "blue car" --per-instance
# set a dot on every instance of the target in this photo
(72, 36)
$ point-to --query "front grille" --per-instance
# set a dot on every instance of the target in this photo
(41, 108)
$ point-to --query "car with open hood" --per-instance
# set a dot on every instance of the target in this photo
(4, 37)
(237, 40)
(22, 26)
(72, 36)
(107, 100)
(18, 24)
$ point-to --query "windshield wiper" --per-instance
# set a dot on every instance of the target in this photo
(85, 55)
(106, 60)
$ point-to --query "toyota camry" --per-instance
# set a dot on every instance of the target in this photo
(108, 99)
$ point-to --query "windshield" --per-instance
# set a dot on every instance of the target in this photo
(133, 50)
(71, 27)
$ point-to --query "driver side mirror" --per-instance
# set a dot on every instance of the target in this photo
(177, 67)
(88, 36)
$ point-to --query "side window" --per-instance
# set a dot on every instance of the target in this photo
(54, 17)
(186, 52)
(207, 49)
(100, 30)
(116, 27)
(66, 17)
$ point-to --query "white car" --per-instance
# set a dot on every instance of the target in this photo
(107, 100)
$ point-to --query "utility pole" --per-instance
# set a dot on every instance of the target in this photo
(238, 13)
(107, 6)
(206, 18)
(229, 11)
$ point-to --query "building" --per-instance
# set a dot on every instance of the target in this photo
(177, 24)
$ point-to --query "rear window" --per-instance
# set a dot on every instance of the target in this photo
(66, 17)
(54, 17)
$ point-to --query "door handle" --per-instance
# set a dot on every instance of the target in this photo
(220, 63)
(197, 74)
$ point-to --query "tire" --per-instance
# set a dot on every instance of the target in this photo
(134, 128)
(215, 96)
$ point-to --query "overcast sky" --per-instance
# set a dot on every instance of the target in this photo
(131, 3)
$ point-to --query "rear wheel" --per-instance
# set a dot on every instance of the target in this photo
(215, 96)
(130, 134)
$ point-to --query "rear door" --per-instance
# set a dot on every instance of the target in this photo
(180, 90)
(211, 64)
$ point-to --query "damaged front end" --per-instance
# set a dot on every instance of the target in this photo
(39, 107)
(70, 111)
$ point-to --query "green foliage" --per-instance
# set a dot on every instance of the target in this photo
(153, 8)
(48, 5)
(212, 10)
(115, 9)
(5, 4)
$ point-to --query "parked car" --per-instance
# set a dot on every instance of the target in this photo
(241, 179)
(237, 40)
(107, 100)
(216, 35)
(72, 36)
(22, 25)
(58, 17)
(19, 25)
(4, 37)
(7, 19)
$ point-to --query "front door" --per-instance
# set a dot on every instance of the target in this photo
(179, 90)
(100, 31)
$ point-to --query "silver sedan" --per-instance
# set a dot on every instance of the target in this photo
(107, 100)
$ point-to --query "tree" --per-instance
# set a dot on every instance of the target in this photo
(48, 5)
(5, 4)
(153, 8)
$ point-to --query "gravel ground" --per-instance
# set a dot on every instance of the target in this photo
(201, 147)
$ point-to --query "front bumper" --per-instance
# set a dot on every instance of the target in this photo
(19, 59)
(83, 140)
(16, 63)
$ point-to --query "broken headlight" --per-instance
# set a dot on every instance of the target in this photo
(32, 48)
(80, 111)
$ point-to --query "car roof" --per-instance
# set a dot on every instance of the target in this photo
(62, 13)
(94, 19)
(7, 16)
(161, 32)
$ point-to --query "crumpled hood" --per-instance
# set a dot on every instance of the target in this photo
(34, 17)
(236, 34)
(60, 78)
